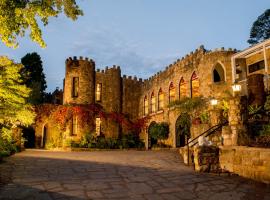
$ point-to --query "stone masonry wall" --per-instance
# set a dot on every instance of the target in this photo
(85, 70)
(201, 62)
(249, 162)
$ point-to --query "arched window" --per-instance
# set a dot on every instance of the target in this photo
(171, 93)
(182, 89)
(160, 99)
(194, 85)
(145, 106)
(218, 74)
(153, 103)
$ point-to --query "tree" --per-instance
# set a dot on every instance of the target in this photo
(14, 110)
(33, 77)
(19, 16)
(260, 29)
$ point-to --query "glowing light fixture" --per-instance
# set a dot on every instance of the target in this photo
(214, 102)
(236, 88)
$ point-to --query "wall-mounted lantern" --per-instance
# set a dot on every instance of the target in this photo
(214, 102)
(236, 88)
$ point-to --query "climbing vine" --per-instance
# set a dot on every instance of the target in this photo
(62, 114)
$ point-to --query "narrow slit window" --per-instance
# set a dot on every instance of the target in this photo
(145, 106)
(74, 125)
(75, 86)
(98, 126)
(98, 92)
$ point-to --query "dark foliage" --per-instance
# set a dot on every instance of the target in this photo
(260, 29)
(34, 77)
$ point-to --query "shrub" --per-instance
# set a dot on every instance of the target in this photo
(159, 131)
(7, 148)
(129, 140)
(204, 116)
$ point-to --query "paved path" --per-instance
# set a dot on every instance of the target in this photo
(37, 174)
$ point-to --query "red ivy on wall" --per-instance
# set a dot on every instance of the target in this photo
(61, 114)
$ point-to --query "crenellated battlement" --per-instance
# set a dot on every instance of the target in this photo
(132, 79)
(75, 62)
(107, 70)
(187, 60)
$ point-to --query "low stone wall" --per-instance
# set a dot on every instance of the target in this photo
(206, 159)
(249, 162)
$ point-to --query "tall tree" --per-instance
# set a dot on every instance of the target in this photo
(34, 77)
(18, 16)
(260, 29)
(14, 109)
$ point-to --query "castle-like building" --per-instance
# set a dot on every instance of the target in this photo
(201, 73)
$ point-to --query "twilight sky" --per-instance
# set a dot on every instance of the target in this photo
(142, 36)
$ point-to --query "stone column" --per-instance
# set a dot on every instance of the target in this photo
(215, 116)
(235, 121)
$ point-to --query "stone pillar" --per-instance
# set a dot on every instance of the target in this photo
(235, 123)
(206, 158)
(215, 116)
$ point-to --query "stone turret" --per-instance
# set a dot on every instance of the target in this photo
(81, 70)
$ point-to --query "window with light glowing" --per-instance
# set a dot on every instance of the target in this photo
(160, 99)
(194, 85)
(98, 126)
(145, 106)
(98, 92)
(183, 89)
(153, 103)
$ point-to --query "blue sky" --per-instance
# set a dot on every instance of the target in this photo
(142, 36)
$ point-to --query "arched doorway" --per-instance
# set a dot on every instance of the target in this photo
(29, 135)
(151, 141)
(44, 135)
(182, 129)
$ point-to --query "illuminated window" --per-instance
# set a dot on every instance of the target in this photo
(160, 99)
(98, 126)
(98, 92)
(194, 85)
(171, 93)
(75, 86)
(153, 103)
(182, 89)
(74, 125)
(145, 106)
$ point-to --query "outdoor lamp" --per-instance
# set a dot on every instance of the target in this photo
(214, 102)
(236, 88)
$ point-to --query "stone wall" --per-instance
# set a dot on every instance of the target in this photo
(84, 69)
(202, 62)
(206, 158)
(249, 162)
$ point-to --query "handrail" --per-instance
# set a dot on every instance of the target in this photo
(216, 127)
(208, 132)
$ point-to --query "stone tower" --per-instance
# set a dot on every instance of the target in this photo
(79, 83)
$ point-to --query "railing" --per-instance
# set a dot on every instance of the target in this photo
(206, 133)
